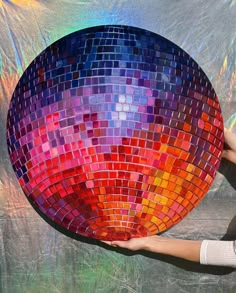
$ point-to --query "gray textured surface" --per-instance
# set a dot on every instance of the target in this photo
(36, 258)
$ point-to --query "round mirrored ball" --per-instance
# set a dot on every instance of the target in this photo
(114, 132)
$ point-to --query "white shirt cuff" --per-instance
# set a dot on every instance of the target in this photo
(219, 253)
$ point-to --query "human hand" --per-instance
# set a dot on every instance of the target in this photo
(186, 249)
(133, 244)
(229, 152)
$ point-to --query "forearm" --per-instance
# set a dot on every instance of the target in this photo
(186, 249)
(211, 252)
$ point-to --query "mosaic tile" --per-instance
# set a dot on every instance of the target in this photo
(114, 132)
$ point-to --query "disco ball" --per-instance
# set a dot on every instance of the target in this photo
(114, 132)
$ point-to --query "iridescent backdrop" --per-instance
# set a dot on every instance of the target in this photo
(36, 258)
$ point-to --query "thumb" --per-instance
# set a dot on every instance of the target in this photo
(106, 242)
(114, 243)
(118, 243)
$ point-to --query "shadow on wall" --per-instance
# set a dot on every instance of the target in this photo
(231, 231)
(228, 170)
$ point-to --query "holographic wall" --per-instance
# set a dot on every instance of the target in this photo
(36, 258)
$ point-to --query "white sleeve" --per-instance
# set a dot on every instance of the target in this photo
(219, 253)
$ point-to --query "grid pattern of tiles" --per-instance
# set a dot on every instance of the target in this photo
(115, 132)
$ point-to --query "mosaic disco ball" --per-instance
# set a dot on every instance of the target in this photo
(114, 132)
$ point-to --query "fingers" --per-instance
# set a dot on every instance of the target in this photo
(113, 243)
(121, 244)
(107, 242)
(229, 155)
(230, 141)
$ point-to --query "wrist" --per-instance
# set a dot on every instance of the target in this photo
(155, 244)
